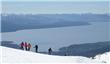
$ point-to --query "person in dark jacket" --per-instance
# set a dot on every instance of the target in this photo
(36, 48)
(50, 51)
(22, 45)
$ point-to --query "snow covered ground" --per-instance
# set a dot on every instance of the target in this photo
(14, 56)
(103, 57)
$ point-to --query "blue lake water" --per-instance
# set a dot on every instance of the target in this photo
(63, 36)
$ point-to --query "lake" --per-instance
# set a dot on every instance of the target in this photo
(60, 37)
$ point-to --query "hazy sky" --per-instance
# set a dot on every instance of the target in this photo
(55, 0)
(57, 6)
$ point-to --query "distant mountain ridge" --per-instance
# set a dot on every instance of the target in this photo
(14, 22)
(87, 49)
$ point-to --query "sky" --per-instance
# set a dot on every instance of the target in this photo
(54, 6)
(55, 0)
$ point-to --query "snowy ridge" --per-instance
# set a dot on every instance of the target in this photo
(103, 57)
(14, 56)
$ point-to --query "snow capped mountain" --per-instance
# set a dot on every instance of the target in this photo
(10, 55)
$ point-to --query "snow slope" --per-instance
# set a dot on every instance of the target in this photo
(103, 57)
(10, 55)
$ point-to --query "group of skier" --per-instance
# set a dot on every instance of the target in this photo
(27, 46)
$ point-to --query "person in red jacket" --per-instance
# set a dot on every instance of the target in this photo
(22, 45)
(26, 46)
(29, 47)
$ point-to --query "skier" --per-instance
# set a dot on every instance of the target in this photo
(65, 54)
(22, 45)
(36, 47)
(50, 51)
(29, 47)
(25, 46)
